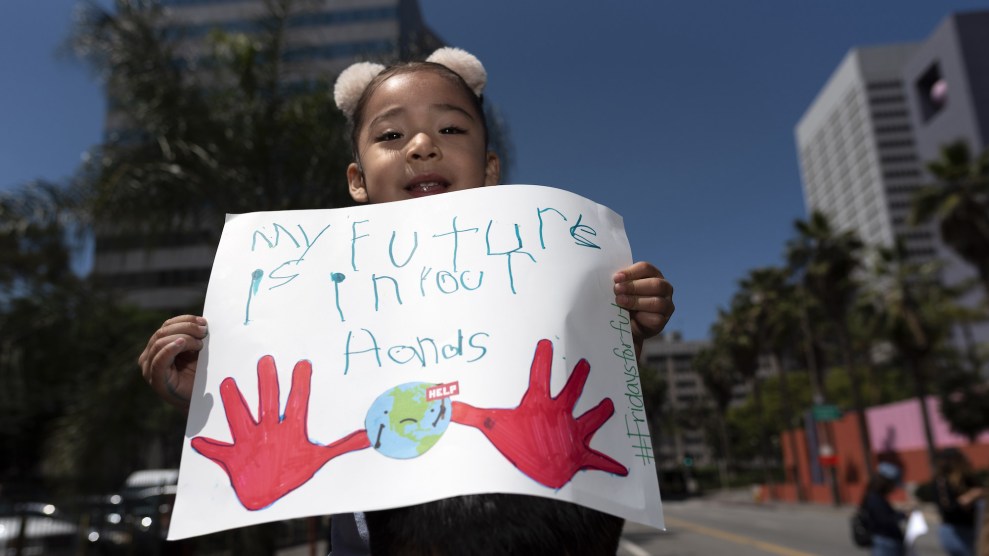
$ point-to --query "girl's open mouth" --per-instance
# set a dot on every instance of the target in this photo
(429, 184)
(426, 188)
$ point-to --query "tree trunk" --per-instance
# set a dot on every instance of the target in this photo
(763, 434)
(787, 407)
(725, 447)
(856, 380)
(920, 384)
(816, 376)
(820, 397)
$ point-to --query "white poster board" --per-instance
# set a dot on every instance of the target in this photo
(456, 344)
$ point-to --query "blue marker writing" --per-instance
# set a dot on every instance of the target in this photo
(508, 254)
(255, 284)
(337, 277)
(579, 239)
(456, 239)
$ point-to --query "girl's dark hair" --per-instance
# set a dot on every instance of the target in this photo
(493, 524)
(413, 67)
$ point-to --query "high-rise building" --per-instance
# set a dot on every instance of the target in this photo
(673, 359)
(857, 152)
(947, 89)
(865, 141)
(321, 38)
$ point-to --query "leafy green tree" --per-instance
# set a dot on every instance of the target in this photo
(964, 398)
(192, 139)
(960, 203)
(744, 418)
(655, 391)
(736, 332)
(720, 379)
(34, 261)
(72, 400)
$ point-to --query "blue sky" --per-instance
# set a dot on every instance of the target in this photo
(677, 115)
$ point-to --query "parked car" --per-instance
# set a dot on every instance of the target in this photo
(46, 530)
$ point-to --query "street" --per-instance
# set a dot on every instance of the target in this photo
(701, 527)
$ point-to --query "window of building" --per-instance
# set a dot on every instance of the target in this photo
(932, 92)
(883, 85)
(889, 114)
(893, 174)
(898, 158)
(877, 101)
(896, 143)
(892, 128)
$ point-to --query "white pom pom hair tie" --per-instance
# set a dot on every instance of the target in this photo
(464, 64)
(354, 80)
(351, 84)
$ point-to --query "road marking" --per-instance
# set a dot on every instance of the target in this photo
(732, 537)
(632, 548)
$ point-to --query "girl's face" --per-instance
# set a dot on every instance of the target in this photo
(420, 137)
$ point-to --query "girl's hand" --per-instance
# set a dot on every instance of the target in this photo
(168, 363)
(648, 296)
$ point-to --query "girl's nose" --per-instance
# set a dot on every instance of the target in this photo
(421, 147)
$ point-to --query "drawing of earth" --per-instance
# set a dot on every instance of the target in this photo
(402, 424)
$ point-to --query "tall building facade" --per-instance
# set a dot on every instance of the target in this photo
(673, 359)
(858, 155)
(865, 141)
(321, 38)
(947, 88)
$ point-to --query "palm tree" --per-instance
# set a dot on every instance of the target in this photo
(960, 202)
(776, 317)
(914, 313)
(826, 262)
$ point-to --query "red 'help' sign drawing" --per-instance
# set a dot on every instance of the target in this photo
(441, 391)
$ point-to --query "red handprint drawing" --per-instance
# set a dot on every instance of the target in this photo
(271, 457)
(540, 436)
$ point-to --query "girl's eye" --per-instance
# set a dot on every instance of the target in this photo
(388, 136)
(452, 130)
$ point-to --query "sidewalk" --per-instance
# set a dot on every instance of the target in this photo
(744, 495)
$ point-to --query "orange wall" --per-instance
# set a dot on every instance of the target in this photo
(852, 475)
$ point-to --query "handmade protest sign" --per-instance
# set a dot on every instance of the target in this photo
(388, 355)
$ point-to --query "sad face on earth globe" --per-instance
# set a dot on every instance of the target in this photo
(403, 423)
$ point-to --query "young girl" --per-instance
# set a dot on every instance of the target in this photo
(419, 129)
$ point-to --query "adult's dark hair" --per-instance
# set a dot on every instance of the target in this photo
(951, 460)
(880, 485)
(493, 524)
(406, 68)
